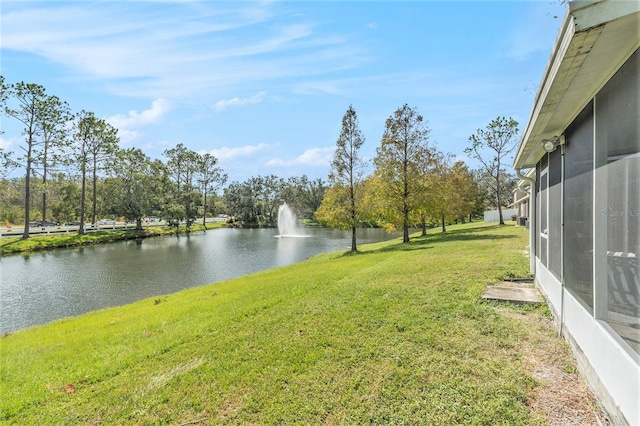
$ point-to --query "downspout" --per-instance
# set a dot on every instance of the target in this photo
(532, 221)
(562, 282)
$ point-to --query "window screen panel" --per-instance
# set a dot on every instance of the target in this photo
(578, 211)
(618, 139)
(554, 221)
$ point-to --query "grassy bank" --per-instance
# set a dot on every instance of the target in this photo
(10, 245)
(394, 334)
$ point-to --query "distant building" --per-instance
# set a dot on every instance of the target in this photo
(582, 142)
(494, 215)
(521, 201)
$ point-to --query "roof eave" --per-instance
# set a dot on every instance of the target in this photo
(568, 82)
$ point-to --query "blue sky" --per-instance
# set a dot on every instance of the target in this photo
(263, 85)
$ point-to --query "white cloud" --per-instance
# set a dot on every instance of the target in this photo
(225, 103)
(227, 153)
(6, 143)
(138, 49)
(314, 157)
(128, 136)
(135, 119)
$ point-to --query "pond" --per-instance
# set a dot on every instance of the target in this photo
(41, 287)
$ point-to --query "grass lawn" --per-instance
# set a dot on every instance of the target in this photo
(396, 334)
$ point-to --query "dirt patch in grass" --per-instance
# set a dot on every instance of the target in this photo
(561, 395)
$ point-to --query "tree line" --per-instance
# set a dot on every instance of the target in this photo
(413, 183)
(78, 157)
(75, 171)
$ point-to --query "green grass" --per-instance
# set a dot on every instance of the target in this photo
(395, 334)
(11, 245)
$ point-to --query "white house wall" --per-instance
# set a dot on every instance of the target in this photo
(616, 371)
(550, 287)
(613, 374)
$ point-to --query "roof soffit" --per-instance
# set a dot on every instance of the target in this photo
(582, 62)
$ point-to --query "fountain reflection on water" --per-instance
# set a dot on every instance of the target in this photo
(288, 223)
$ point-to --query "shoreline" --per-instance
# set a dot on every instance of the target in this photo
(37, 243)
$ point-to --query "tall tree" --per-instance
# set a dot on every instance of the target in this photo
(399, 164)
(453, 192)
(487, 188)
(342, 207)
(303, 195)
(210, 178)
(177, 163)
(182, 164)
(312, 193)
(94, 141)
(465, 191)
(435, 189)
(269, 194)
(256, 200)
(34, 109)
(240, 198)
(83, 132)
(102, 149)
(490, 146)
(136, 185)
(56, 117)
